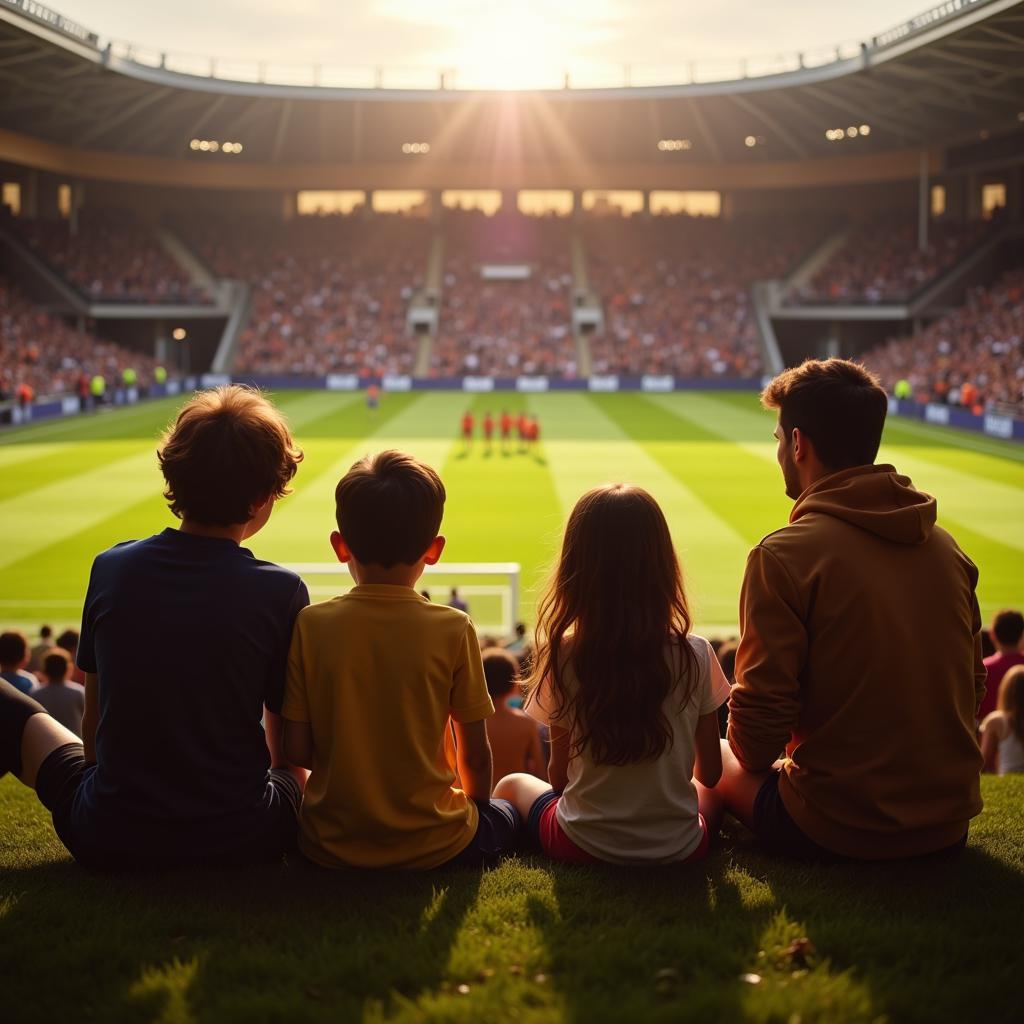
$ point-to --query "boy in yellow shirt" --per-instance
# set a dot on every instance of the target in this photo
(378, 679)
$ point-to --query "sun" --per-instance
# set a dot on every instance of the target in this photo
(510, 50)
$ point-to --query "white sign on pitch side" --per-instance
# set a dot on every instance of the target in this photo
(342, 382)
(998, 426)
(531, 384)
(653, 383)
(396, 382)
(477, 383)
(603, 384)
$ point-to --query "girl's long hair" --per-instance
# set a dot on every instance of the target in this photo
(616, 595)
(1011, 698)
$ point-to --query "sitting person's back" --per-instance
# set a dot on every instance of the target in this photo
(513, 734)
(62, 698)
(1002, 731)
(379, 681)
(860, 652)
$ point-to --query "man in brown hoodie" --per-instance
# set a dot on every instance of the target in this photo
(860, 657)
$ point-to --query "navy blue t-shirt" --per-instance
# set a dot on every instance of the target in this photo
(189, 636)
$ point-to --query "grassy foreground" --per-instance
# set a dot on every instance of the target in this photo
(526, 942)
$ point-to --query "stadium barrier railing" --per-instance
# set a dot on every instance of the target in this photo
(1005, 427)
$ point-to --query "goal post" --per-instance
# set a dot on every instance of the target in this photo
(491, 589)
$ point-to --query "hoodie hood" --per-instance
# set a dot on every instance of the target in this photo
(873, 498)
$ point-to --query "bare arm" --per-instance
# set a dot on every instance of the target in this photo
(535, 757)
(990, 745)
(91, 716)
(558, 760)
(707, 768)
(298, 742)
(473, 753)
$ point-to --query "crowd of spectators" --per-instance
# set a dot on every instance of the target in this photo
(330, 294)
(880, 261)
(676, 292)
(111, 257)
(973, 357)
(501, 328)
(43, 354)
(505, 328)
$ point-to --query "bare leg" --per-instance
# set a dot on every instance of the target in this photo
(42, 736)
(712, 806)
(521, 790)
(738, 788)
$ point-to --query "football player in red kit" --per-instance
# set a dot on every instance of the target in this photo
(488, 429)
(506, 429)
(467, 427)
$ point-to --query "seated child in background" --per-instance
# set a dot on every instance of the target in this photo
(376, 679)
(630, 694)
(1002, 731)
(13, 659)
(62, 698)
(514, 736)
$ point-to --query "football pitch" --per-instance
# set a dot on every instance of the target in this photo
(71, 488)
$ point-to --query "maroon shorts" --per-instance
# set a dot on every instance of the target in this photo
(544, 828)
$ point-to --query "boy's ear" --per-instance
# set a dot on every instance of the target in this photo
(433, 552)
(258, 506)
(340, 547)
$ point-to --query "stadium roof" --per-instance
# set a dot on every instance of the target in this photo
(949, 77)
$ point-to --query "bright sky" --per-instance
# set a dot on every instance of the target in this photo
(490, 42)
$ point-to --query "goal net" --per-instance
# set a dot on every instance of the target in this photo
(490, 589)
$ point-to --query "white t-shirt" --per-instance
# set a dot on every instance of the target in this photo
(1011, 749)
(646, 812)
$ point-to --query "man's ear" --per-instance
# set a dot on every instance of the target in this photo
(799, 445)
(433, 553)
(340, 547)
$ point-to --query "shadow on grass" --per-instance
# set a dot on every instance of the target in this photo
(289, 943)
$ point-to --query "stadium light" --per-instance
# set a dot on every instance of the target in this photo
(194, 144)
(179, 334)
(674, 145)
(750, 141)
(852, 131)
(865, 129)
(416, 148)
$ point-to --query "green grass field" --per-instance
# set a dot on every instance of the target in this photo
(71, 488)
(529, 941)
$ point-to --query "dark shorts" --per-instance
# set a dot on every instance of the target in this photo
(498, 833)
(774, 827)
(262, 833)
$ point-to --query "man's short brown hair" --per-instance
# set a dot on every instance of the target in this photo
(228, 450)
(838, 404)
(501, 670)
(1008, 627)
(389, 508)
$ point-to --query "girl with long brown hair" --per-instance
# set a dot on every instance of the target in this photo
(630, 695)
(1002, 732)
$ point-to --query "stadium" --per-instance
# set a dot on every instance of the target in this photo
(534, 290)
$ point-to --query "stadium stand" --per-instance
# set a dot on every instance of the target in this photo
(676, 291)
(111, 257)
(330, 294)
(881, 262)
(972, 357)
(504, 328)
(51, 357)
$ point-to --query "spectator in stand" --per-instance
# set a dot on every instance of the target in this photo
(35, 658)
(62, 698)
(454, 601)
(881, 261)
(329, 294)
(1002, 731)
(1007, 630)
(832, 611)
(51, 357)
(13, 659)
(68, 641)
(514, 736)
(111, 257)
(972, 358)
(676, 292)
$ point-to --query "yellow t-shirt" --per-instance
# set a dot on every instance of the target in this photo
(377, 673)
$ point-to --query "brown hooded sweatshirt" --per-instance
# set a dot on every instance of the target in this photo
(861, 656)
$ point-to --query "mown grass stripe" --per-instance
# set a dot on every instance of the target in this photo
(586, 447)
